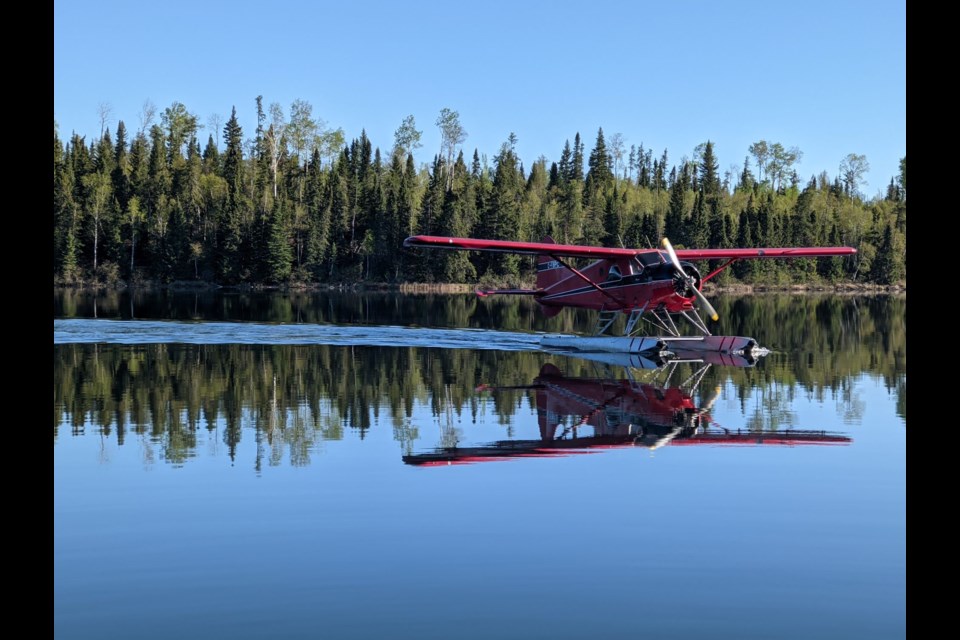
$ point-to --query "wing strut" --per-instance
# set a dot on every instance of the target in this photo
(589, 281)
(719, 269)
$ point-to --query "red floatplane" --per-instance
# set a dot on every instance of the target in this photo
(586, 415)
(651, 284)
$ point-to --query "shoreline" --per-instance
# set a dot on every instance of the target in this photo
(448, 288)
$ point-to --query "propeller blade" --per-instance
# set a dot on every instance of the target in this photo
(673, 256)
(704, 303)
(707, 307)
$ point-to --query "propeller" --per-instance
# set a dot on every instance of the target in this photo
(704, 303)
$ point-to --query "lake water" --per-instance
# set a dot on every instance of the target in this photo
(379, 465)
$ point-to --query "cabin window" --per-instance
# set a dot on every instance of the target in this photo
(614, 273)
(649, 258)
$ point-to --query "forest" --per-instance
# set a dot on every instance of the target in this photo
(297, 205)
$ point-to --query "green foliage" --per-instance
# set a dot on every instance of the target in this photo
(502, 217)
(852, 171)
(902, 178)
(675, 226)
(108, 274)
(888, 266)
(181, 125)
(279, 252)
(406, 139)
(163, 208)
(614, 224)
(229, 224)
(709, 172)
(600, 163)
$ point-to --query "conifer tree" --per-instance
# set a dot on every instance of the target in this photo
(406, 208)
(746, 176)
(803, 231)
(456, 221)
(718, 228)
(600, 163)
(279, 251)
(503, 215)
(229, 224)
(120, 176)
(318, 213)
(139, 166)
(340, 216)
(360, 183)
(674, 226)
(699, 229)
(613, 221)
(211, 157)
(709, 173)
(66, 213)
(646, 168)
(429, 220)
(743, 269)
(539, 218)
(887, 267)
(832, 268)
(659, 174)
(576, 163)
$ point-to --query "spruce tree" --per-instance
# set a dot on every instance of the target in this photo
(407, 206)
(833, 268)
(430, 219)
(318, 234)
(699, 229)
(709, 173)
(570, 205)
(674, 226)
(456, 221)
(66, 216)
(600, 163)
(576, 163)
(229, 224)
(121, 168)
(211, 157)
(743, 269)
(718, 228)
(503, 215)
(279, 252)
(613, 221)
(887, 267)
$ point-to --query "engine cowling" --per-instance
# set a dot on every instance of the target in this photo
(681, 285)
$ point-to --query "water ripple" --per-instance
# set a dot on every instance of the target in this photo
(154, 332)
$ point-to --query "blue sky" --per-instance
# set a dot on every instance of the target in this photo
(828, 77)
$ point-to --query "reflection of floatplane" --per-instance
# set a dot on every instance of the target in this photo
(620, 413)
(655, 286)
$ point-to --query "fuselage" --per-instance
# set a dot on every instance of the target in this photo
(623, 283)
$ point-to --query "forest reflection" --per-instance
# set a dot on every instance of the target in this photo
(291, 398)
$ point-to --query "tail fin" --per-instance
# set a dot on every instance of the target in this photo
(549, 270)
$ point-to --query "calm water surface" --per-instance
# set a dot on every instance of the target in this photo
(386, 466)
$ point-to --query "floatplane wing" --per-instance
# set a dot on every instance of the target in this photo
(613, 253)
